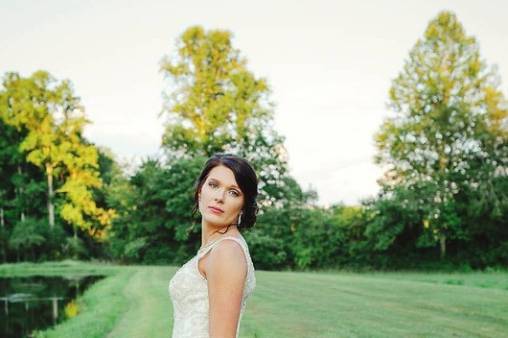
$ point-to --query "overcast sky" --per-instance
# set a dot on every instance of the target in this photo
(329, 65)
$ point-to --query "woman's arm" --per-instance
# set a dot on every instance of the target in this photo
(226, 272)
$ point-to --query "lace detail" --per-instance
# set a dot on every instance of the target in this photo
(188, 290)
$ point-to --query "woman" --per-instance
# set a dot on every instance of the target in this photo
(209, 292)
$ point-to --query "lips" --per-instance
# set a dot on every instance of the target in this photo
(216, 210)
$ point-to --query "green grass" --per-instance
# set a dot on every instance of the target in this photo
(134, 302)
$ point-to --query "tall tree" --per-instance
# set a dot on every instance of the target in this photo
(447, 108)
(26, 104)
(216, 104)
(53, 118)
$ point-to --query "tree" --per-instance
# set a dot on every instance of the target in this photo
(216, 104)
(22, 200)
(450, 125)
(155, 219)
(53, 119)
(30, 104)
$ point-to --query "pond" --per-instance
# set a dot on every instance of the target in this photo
(36, 302)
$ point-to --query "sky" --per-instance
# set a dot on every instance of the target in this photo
(329, 65)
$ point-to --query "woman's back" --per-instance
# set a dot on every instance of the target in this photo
(188, 290)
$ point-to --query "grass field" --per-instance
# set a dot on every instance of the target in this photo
(133, 301)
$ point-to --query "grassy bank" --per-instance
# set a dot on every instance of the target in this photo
(62, 268)
(134, 302)
(99, 307)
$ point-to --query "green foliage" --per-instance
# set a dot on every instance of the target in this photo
(268, 252)
(133, 249)
(51, 168)
(216, 104)
(33, 239)
(215, 97)
(53, 119)
(75, 247)
(22, 189)
(159, 225)
(447, 126)
(28, 234)
(445, 189)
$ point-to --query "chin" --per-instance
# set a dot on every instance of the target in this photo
(212, 218)
(217, 220)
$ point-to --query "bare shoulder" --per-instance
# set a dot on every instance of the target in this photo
(228, 258)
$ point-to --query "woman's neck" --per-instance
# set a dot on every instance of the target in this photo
(210, 233)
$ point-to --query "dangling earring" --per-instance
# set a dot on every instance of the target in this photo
(239, 218)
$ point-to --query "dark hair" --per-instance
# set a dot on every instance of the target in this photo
(245, 177)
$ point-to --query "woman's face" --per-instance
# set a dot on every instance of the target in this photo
(220, 198)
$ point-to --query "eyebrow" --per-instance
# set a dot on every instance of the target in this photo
(233, 185)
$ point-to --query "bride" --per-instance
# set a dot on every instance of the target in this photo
(209, 292)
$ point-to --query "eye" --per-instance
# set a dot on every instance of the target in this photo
(235, 193)
(212, 184)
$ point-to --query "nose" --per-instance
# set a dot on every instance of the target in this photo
(219, 195)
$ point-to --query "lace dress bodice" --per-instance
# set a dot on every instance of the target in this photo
(188, 290)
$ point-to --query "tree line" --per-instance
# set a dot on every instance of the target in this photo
(443, 199)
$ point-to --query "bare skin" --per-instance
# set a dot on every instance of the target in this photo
(225, 267)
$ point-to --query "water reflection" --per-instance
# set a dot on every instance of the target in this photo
(37, 302)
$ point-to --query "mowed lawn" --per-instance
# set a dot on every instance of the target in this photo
(134, 302)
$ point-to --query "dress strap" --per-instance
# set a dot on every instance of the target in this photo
(203, 251)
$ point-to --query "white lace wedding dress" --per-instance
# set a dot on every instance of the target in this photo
(188, 290)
